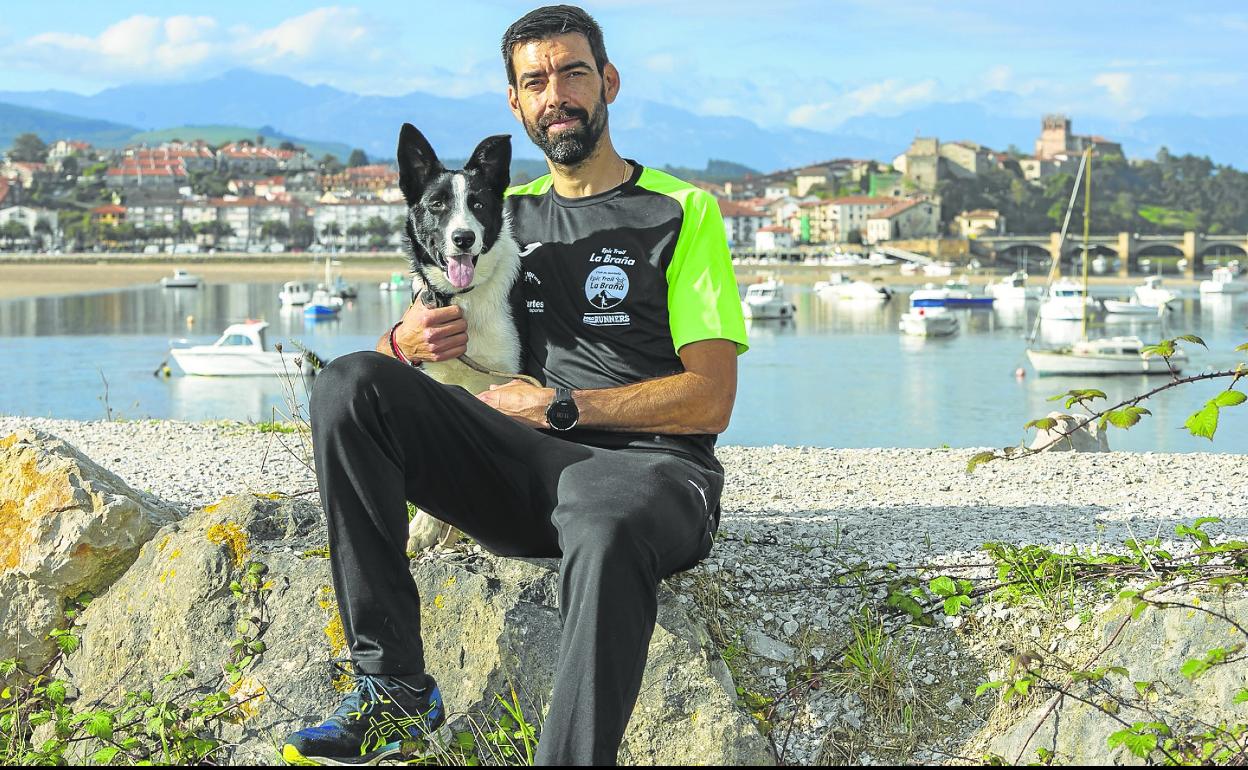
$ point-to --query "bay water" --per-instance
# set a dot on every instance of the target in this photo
(839, 375)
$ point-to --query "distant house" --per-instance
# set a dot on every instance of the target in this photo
(972, 224)
(916, 218)
(345, 212)
(251, 159)
(110, 214)
(164, 175)
(25, 173)
(772, 238)
(28, 217)
(832, 221)
(741, 221)
(1057, 141)
(359, 181)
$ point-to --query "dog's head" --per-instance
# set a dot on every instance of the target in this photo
(453, 217)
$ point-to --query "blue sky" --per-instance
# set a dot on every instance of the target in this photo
(776, 62)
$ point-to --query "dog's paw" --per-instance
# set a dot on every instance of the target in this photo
(424, 531)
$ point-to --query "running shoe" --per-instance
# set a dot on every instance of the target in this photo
(384, 718)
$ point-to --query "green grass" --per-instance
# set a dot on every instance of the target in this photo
(1173, 218)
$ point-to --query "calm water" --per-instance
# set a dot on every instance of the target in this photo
(840, 376)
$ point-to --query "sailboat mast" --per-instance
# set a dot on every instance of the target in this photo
(1087, 215)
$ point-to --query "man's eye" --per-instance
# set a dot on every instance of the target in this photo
(477, 205)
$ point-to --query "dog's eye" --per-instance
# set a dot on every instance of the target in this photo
(436, 205)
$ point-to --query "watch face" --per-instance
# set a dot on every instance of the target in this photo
(562, 415)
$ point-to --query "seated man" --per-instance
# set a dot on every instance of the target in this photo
(633, 325)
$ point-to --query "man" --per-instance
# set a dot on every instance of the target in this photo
(634, 326)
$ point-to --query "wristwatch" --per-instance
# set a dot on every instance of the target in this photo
(562, 413)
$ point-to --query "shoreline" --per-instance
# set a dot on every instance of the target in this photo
(22, 278)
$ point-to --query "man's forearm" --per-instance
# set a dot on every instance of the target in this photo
(685, 403)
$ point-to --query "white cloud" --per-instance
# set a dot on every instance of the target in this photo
(1118, 84)
(148, 47)
(884, 97)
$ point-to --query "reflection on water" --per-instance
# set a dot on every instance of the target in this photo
(839, 374)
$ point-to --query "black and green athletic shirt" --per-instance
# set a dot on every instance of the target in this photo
(615, 284)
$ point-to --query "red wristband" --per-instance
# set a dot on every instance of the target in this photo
(394, 347)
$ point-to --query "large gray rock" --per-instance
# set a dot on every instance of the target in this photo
(1089, 438)
(489, 623)
(1153, 649)
(66, 526)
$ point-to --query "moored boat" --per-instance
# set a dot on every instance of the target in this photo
(181, 279)
(766, 299)
(1105, 356)
(240, 351)
(927, 322)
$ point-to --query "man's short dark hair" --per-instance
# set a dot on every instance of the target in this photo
(549, 21)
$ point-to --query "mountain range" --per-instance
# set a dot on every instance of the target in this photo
(655, 133)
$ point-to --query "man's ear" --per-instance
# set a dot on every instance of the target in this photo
(513, 101)
(417, 161)
(610, 82)
(492, 159)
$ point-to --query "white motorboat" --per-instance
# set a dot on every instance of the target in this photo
(1224, 281)
(322, 305)
(878, 259)
(1111, 355)
(295, 293)
(928, 322)
(938, 270)
(1067, 301)
(1012, 288)
(841, 286)
(240, 351)
(952, 294)
(766, 299)
(181, 279)
(1151, 293)
(1132, 308)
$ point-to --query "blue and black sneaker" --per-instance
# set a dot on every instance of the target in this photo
(384, 718)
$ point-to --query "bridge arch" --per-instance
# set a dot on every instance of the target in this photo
(1220, 253)
(1158, 258)
(1025, 256)
(1072, 262)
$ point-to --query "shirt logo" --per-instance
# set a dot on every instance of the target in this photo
(529, 248)
(606, 287)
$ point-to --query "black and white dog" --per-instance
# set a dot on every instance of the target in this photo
(459, 241)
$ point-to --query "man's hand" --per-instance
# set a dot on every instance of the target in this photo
(520, 401)
(432, 334)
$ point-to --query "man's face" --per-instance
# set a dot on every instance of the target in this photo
(560, 97)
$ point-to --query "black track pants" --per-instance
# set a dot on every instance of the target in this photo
(622, 520)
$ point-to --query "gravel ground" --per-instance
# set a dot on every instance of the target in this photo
(794, 519)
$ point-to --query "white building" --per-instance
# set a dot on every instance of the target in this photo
(741, 222)
(28, 217)
(773, 238)
(918, 218)
(345, 212)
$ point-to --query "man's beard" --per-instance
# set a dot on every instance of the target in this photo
(571, 146)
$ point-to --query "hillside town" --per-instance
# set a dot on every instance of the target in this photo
(188, 196)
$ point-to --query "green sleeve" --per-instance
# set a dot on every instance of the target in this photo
(703, 302)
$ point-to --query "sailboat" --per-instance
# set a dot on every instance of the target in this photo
(1102, 356)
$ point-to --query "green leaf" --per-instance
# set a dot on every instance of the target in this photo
(980, 459)
(105, 755)
(986, 686)
(100, 725)
(943, 586)
(1204, 424)
(1193, 667)
(1044, 423)
(955, 603)
(1242, 348)
(1138, 744)
(1123, 418)
(1192, 338)
(1241, 696)
(1165, 349)
(1229, 398)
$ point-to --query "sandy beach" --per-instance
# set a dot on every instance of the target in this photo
(29, 278)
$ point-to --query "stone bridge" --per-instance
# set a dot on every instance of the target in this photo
(1129, 248)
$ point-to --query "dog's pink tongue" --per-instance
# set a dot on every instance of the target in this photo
(459, 271)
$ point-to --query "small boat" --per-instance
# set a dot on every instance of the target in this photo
(341, 289)
(397, 282)
(1012, 288)
(1151, 293)
(841, 286)
(938, 270)
(295, 293)
(1132, 308)
(1224, 281)
(952, 294)
(181, 279)
(927, 322)
(1067, 301)
(240, 351)
(322, 305)
(878, 259)
(766, 299)
(1106, 356)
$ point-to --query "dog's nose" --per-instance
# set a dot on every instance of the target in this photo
(463, 238)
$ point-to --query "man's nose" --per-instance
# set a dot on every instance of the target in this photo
(463, 238)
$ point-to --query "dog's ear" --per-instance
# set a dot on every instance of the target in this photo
(492, 159)
(417, 162)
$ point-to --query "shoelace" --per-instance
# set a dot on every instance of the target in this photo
(370, 689)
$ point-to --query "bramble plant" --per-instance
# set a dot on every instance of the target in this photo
(1128, 413)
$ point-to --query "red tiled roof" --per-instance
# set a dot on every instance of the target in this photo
(861, 200)
(893, 211)
(111, 208)
(773, 229)
(737, 209)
